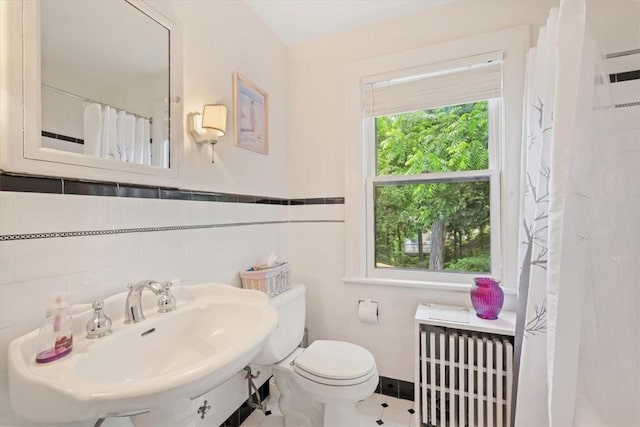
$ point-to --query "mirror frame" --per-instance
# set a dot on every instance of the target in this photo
(32, 145)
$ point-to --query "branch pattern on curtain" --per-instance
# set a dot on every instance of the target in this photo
(534, 228)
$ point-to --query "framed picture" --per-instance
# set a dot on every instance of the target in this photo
(251, 115)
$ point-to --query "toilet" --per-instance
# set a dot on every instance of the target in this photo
(319, 385)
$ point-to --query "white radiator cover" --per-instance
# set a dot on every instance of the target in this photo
(466, 378)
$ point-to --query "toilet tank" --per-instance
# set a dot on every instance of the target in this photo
(290, 306)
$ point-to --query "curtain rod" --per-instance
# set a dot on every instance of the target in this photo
(623, 53)
(85, 99)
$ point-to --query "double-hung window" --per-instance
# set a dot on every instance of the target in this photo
(429, 186)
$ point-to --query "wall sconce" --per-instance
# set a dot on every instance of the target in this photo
(205, 128)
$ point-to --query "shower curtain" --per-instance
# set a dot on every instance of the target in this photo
(575, 287)
(116, 135)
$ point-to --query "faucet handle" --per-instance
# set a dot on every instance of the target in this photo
(167, 301)
(99, 325)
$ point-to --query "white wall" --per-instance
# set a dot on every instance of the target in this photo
(219, 38)
(615, 24)
(318, 135)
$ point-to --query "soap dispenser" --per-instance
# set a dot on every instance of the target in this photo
(55, 339)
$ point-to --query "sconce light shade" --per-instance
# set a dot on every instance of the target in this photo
(205, 128)
(214, 117)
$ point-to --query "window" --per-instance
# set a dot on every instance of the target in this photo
(431, 139)
(429, 176)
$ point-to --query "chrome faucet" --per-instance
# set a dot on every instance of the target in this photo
(133, 305)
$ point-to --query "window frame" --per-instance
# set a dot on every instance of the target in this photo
(503, 174)
(439, 276)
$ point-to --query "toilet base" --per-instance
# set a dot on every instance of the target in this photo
(301, 408)
(340, 413)
(297, 406)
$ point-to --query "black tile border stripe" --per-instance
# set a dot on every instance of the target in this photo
(62, 137)
(30, 184)
(396, 388)
(54, 185)
(624, 76)
(317, 201)
(90, 188)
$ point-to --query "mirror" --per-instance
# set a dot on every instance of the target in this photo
(107, 96)
(105, 81)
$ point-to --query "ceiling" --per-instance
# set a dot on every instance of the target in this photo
(299, 21)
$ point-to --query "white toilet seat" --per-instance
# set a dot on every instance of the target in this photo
(335, 363)
(332, 382)
(302, 391)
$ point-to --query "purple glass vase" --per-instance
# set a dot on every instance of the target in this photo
(487, 297)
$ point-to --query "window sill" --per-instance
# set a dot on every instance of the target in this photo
(425, 285)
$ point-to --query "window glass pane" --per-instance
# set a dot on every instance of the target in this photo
(445, 139)
(433, 226)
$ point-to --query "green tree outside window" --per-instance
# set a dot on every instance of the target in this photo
(433, 225)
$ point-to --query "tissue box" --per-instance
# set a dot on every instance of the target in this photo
(271, 281)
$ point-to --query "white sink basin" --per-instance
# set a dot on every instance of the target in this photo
(215, 331)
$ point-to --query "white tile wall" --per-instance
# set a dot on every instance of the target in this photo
(317, 259)
(7, 420)
(85, 253)
(34, 213)
(7, 264)
(35, 259)
(6, 335)
(5, 406)
(121, 248)
(6, 214)
(83, 268)
(88, 285)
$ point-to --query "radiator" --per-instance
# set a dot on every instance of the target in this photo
(465, 378)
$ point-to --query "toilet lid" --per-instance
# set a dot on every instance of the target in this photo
(335, 360)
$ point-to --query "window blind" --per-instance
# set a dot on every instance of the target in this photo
(459, 82)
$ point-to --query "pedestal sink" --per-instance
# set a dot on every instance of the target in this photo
(150, 370)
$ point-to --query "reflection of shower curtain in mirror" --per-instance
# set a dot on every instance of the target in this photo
(116, 135)
(108, 142)
(92, 129)
(142, 135)
(159, 135)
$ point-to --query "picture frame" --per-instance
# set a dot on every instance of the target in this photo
(251, 115)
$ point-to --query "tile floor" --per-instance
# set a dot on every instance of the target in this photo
(378, 410)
